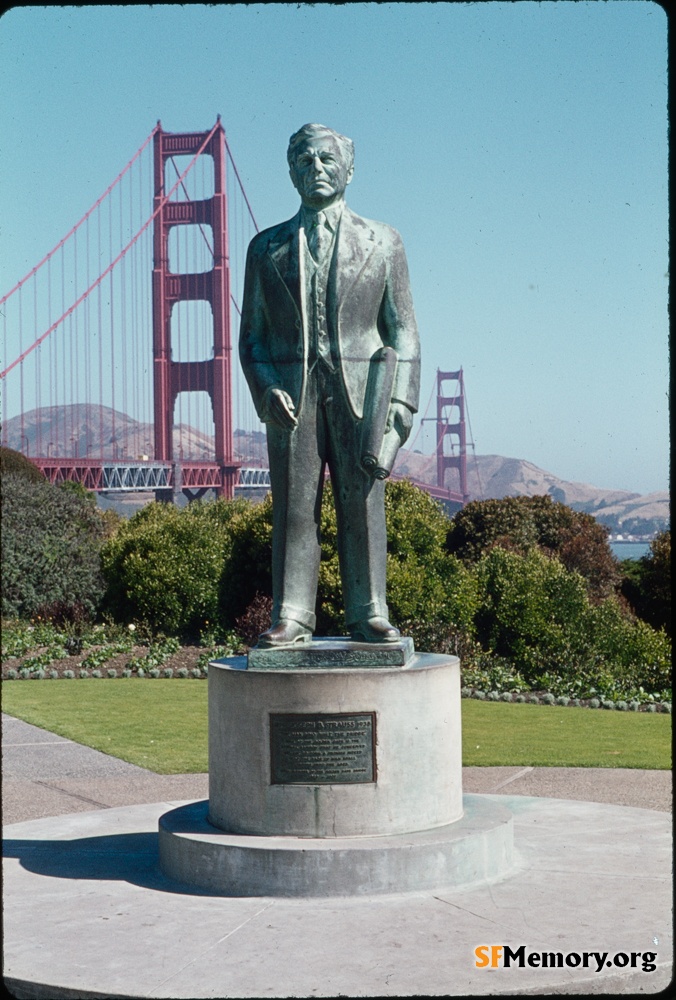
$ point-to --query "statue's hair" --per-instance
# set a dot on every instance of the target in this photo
(310, 130)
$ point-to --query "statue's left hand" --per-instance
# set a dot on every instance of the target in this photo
(401, 418)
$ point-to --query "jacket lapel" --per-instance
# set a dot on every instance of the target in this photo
(283, 252)
(356, 242)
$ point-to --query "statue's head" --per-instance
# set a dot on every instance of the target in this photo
(321, 164)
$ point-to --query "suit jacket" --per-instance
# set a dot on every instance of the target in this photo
(369, 306)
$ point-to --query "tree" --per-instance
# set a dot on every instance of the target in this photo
(14, 462)
(646, 583)
(522, 523)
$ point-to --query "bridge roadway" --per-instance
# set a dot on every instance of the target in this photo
(103, 476)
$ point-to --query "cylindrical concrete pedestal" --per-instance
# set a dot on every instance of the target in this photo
(335, 781)
(335, 752)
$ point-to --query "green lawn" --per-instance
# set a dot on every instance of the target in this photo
(162, 725)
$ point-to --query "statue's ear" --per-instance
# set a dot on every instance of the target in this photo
(350, 175)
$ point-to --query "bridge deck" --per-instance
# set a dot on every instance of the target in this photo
(103, 476)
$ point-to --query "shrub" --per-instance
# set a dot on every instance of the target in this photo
(524, 605)
(164, 566)
(68, 616)
(255, 620)
(51, 542)
(538, 615)
(182, 672)
(486, 671)
(69, 674)
(425, 584)
(111, 672)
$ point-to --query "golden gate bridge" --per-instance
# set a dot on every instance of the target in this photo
(122, 375)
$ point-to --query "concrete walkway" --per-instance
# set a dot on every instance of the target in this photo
(88, 914)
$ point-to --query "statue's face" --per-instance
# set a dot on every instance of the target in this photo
(319, 171)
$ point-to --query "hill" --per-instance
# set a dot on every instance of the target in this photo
(492, 477)
(102, 431)
(81, 429)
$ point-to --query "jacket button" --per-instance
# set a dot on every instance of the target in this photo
(299, 352)
(298, 324)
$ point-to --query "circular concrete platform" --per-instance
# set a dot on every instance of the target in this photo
(88, 913)
(478, 847)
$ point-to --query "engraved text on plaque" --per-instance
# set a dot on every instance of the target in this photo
(318, 749)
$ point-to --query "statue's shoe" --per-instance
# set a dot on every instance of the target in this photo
(284, 633)
(374, 630)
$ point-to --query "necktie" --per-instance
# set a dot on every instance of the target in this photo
(319, 238)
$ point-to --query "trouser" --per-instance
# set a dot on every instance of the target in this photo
(327, 434)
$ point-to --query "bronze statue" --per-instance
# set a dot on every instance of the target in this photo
(324, 294)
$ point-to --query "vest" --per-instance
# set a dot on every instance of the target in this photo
(316, 283)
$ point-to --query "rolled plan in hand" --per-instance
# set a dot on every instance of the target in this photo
(378, 448)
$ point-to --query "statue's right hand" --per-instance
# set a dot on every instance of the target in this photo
(281, 409)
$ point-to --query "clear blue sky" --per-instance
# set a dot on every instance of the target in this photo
(520, 149)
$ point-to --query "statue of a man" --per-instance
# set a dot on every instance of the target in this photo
(324, 293)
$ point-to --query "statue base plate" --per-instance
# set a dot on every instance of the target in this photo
(322, 654)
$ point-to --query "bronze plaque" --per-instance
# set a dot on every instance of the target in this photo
(322, 749)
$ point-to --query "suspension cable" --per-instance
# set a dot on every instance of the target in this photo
(83, 219)
(241, 186)
(424, 416)
(119, 257)
(471, 439)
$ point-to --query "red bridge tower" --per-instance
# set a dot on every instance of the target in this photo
(451, 425)
(214, 374)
